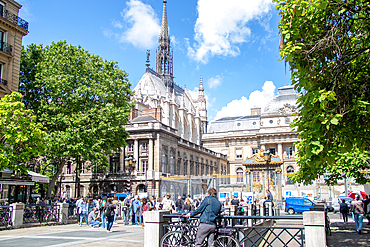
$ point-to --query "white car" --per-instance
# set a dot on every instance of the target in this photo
(337, 201)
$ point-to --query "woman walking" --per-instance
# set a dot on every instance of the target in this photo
(102, 213)
(357, 207)
(84, 209)
(109, 213)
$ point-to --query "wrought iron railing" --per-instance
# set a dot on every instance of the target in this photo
(5, 47)
(6, 213)
(255, 235)
(15, 19)
(42, 213)
(4, 82)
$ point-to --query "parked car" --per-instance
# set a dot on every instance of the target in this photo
(297, 204)
(337, 201)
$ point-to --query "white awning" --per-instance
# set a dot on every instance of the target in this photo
(16, 182)
(38, 178)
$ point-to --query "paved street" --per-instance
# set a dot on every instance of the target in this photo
(73, 235)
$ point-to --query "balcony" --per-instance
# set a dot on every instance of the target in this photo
(5, 47)
(15, 19)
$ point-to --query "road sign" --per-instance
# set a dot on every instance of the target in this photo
(249, 199)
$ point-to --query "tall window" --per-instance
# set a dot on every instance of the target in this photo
(272, 151)
(239, 153)
(130, 147)
(239, 174)
(144, 146)
(256, 176)
(144, 165)
(164, 160)
(202, 169)
(172, 162)
(68, 167)
(185, 167)
(289, 152)
(254, 150)
(289, 171)
(207, 170)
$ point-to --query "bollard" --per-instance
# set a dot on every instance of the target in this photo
(269, 208)
(63, 213)
(314, 227)
(153, 227)
(17, 217)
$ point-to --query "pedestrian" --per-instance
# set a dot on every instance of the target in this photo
(84, 209)
(126, 210)
(137, 207)
(343, 208)
(168, 204)
(109, 213)
(145, 208)
(118, 208)
(132, 212)
(93, 218)
(357, 208)
(367, 208)
(187, 206)
(159, 205)
(209, 210)
(102, 213)
(179, 204)
(234, 201)
(91, 204)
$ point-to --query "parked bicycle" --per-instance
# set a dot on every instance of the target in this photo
(184, 234)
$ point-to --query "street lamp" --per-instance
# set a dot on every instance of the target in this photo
(267, 158)
(130, 163)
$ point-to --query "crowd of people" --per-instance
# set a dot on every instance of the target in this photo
(103, 212)
(359, 209)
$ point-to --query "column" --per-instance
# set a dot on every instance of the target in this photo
(153, 230)
(136, 151)
(314, 228)
(280, 150)
(17, 217)
(263, 146)
(150, 159)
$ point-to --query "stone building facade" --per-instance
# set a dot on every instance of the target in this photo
(242, 137)
(166, 130)
(12, 30)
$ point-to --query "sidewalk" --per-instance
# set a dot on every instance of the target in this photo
(346, 235)
(73, 235)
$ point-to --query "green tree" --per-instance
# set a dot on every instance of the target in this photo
(327, 45)
(82, 100)
(21, 137)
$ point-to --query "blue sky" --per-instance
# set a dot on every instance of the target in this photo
(232, 44)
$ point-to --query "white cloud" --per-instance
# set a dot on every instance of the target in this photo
(144, 25)
(242, 107)
(221, 26)
(117, 24)
(215, 81)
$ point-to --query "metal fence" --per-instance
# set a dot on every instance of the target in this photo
(6, 214)
(42, 213)
(264, 230)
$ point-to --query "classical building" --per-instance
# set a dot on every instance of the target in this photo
(12, 30)
(244, 138)
(166, 129)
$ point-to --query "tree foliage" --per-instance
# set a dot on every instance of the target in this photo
(81, 99)
(327, 45)
(21, 137)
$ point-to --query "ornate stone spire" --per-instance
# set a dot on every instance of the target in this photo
(164, 55)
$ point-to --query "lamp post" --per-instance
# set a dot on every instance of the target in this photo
(130, 163)
(267, 158)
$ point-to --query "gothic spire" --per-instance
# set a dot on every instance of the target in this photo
(164, 55)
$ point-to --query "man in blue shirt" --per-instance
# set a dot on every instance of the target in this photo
(209, 209)
(136, 206)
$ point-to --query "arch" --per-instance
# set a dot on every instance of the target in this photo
(140, 188)
(289, 171)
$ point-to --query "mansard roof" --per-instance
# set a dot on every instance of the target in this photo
(286, 95)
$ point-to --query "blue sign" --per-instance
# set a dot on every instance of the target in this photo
(248, 199)
(224, 195)
(288, 193)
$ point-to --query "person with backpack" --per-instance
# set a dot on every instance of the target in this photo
(126, 209)
(343, 208)
(109, 213)
(102, 213)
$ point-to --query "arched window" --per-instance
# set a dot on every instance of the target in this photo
(239, 174)
(289, 171)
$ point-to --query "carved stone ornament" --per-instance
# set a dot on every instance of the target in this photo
(287, 109)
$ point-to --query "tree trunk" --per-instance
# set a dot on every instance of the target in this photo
(61, 163)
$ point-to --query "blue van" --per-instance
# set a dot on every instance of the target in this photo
(297, 204)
